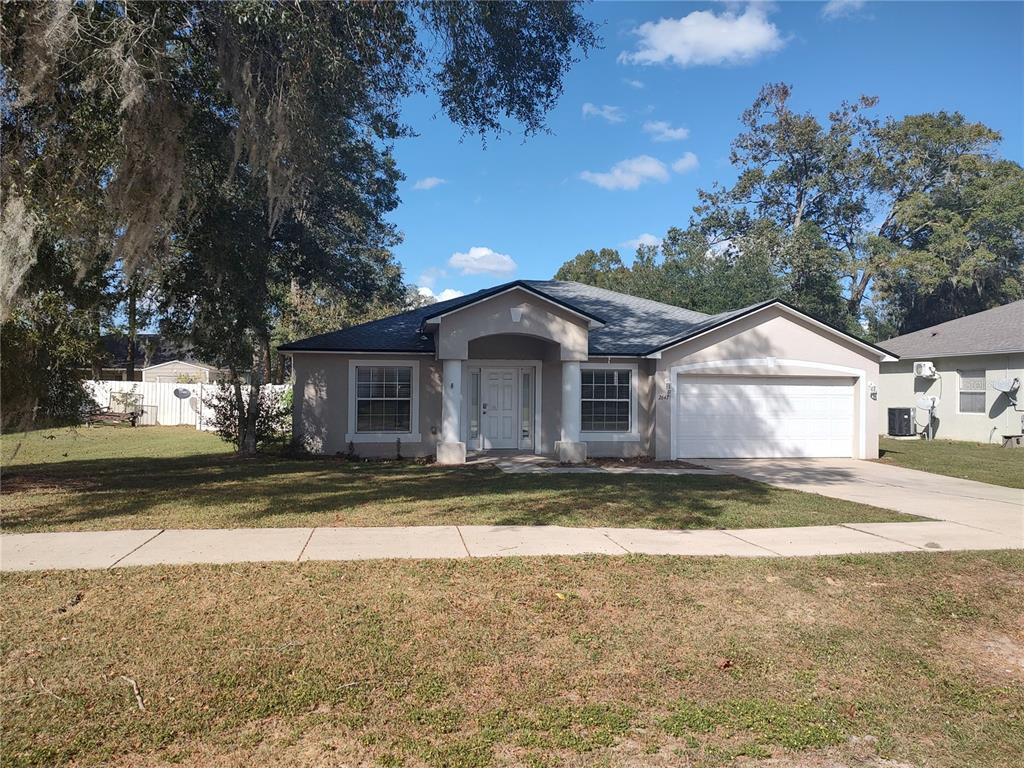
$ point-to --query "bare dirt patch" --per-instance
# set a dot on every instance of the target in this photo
(995, 657)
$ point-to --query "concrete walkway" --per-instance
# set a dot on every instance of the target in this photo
(967, 502)
(120, 549)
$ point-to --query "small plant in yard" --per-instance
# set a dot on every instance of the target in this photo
(273, 416)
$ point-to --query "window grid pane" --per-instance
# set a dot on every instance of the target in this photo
(972, 391)
(383, 398)
(605, 400)
(972, 381)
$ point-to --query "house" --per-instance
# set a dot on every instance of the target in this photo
(975, 361)
(569, 370)
(156, 359)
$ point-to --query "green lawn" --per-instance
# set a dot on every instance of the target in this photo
(167, 477)
(916, 659)
(971, 461)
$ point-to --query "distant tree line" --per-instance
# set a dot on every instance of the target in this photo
(880, 226)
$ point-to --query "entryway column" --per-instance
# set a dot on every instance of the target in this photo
(451, 450)
(569, 449)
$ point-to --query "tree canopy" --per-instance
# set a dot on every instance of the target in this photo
(241, 152)
(896, 223)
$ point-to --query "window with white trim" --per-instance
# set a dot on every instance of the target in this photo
(384, 398)
(605, 399)
(972, 391)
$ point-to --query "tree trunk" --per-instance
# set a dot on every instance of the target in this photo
(133, 298)
(241, 415)
(97, 364)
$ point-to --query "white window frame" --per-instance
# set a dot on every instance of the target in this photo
(633, 433)
(413, 435)
(960, 389)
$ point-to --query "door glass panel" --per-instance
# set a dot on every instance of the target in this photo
(474, 404)
(526, 398)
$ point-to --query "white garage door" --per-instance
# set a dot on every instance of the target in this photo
(763, 417)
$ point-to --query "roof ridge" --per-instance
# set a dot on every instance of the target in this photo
(622, 293)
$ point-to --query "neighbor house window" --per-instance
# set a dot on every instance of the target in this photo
(972, 391)
(605, 397)
(383, 398)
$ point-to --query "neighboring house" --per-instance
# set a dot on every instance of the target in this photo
(974, 357)
(156, 359)
(565, 369)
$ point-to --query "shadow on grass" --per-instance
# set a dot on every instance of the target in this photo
(222, 490)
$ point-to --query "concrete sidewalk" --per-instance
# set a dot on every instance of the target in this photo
(120, 549)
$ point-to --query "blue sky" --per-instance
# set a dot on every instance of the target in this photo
(647, 120)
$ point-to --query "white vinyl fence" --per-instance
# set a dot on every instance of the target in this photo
(163, 403)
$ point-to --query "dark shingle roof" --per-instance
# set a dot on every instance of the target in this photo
(993, 331)
(631, 325)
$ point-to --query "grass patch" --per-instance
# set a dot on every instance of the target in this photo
(169, 477)
(473, 663)
(969, 461)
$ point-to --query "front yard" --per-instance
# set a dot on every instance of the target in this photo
(636, 661)
(171, 477)
(970, 461)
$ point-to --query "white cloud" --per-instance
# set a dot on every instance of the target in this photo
(638, 84)
(645, 239)
(706, 38)
(688, 162)
(479, 260)
(429, 183)
(430, 276)
(447, 293)
(837, 9)
(629, 174)
(663, 131)
(608, 112)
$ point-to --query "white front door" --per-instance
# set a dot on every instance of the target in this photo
(498, 408)
(764, 417)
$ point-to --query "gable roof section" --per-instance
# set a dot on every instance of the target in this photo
(525, 285)
(632, 327)
(995, 331)
(724, 318)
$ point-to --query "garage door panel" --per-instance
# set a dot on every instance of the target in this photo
(769, 417)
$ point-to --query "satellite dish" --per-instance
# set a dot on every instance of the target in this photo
(927, 403)
(1006, 385)
(182, 394)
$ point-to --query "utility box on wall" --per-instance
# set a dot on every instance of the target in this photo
(901, 422)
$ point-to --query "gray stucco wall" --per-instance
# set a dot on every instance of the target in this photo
(900, 389)
(320, 408)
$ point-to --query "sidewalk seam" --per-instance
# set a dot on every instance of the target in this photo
(759, 546)
(613, 541)
(136, 549)
(849, 527)
(303, 550)
(463, 540)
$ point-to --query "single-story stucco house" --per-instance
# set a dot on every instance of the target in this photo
(569, 370)
(975, 361)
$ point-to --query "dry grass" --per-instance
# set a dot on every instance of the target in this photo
(165, 477)
(559, 661)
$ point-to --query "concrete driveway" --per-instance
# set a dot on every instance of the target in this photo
(966, 502)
